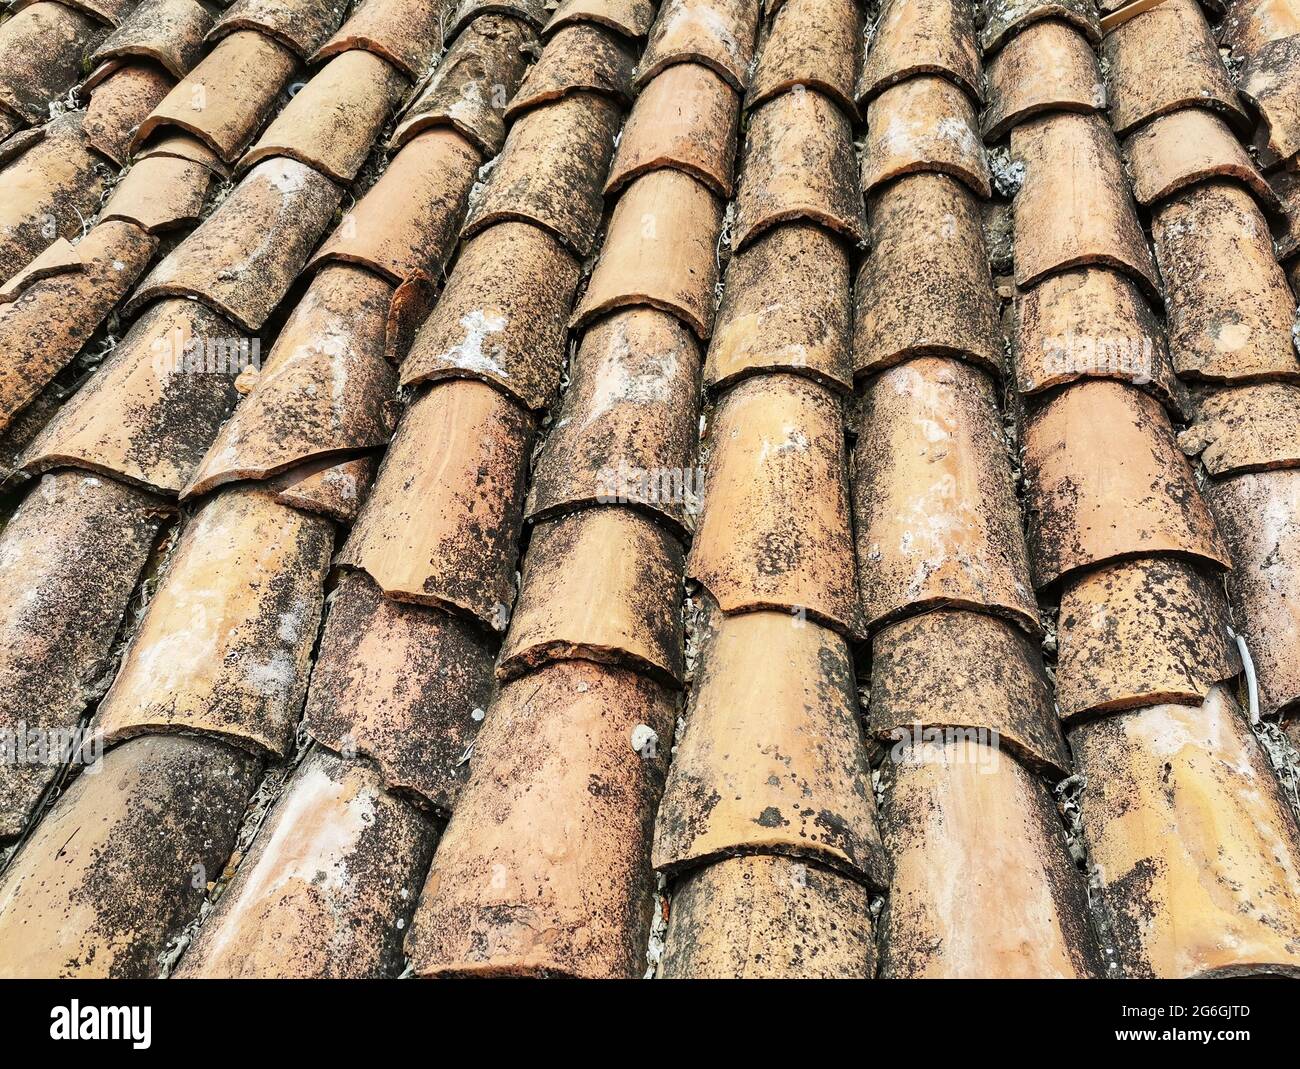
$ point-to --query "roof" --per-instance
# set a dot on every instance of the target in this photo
(711, 489)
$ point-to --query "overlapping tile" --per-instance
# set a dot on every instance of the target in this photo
(327, 888)
(924, 289)
(937, 521)
(913, 39)
(1199, 855)
(69, 906)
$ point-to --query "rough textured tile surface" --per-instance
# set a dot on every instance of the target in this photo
(120, 864)
(501, 315)
(776, 532)
(983, 884)
(798, 164)
(604, 585)
(772, 761)
(1049, 66)
(937, 519)
(924, 289)
(718, 33)
(1198, 854)
(785, 307)
(1165, 59)
(1106, 481)
(574, 750)
(403, 685)
(1258, 515)
(769, 918)
(951, 669)
(70, 556)
(926, 123)
(1230, 308)
(1148, 631)
(685, 118)
(441, 522)
(224, 648)
(914, 38)
(625, 433)
(327, 888)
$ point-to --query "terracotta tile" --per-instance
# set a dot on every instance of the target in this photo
(160, 193)
(926, 123)
(1269, 82)
(631, 18)
(1165, 59)
(776, 529)
(1198, 854)
(70, 556)
(1091, 322)
(405, 226)
(441, 523)
(1248, 27)
(335, 491)
(1230, 309)
(604, 585)
(327, 888)
(404, 685)
(786, 307)
(659, 251)
(816, 44)
(798, 164)
(925, 287)
(532, 12)
(1049, 66)
(332, 122)
(1073, 160)
(224, 647)
(1105, 481)
(1258, 515)
(551, 169)
(757, 918)
(718, 33)
(243, 258)
(501, 315)
(151, 410)
(626, 429)
(983, 883)
(579, 57)
(1246, 428)
(50, 191)
(792, 779)
(325, 390)
(1186, 147)
(169, 32)
(41, 50)
(226, 98)
(300, 25)
(1142, 632)
(685, 118)
(1004, 18)
(406, 35)
(568, 750)
(181, 146)
(120, 103)
(47, 324)
(913, 38)
(71, 904)
(954, 669)
(937, 520)
(471, 85)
